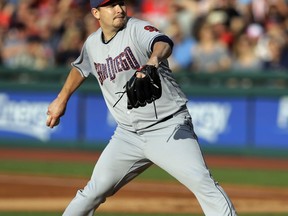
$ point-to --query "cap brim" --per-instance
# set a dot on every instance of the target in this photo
(105, 2)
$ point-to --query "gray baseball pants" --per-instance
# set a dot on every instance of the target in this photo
(172, 145)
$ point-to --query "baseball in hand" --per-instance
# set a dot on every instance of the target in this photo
(49, 120)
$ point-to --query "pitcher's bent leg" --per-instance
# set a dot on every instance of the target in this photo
(87, 200)
(119, 163)
(179, 154)
(100, 186)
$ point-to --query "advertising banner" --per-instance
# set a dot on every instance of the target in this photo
(99, 123)
(220, 121)
(271, 117)
(23, 117)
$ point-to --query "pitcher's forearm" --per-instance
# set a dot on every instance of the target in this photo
(73, 81)
(161, 51)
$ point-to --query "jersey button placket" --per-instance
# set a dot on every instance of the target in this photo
(130, 116)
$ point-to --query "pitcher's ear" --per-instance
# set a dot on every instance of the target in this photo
(95, 13)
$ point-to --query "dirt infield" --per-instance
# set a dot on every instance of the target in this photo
(39, 193)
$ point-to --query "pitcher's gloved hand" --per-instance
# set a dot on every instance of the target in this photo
(144, 87)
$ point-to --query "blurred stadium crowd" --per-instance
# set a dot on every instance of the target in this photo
(209, 35)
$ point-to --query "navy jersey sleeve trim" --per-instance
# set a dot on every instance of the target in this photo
(163, 38)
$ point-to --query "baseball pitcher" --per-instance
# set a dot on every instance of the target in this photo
(128, 57)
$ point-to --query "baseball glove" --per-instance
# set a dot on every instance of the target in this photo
(142, 91)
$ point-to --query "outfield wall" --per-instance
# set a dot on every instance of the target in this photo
(235, 119)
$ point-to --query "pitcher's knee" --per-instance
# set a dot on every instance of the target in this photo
(95, 192)
(89, 195)
(84, 203)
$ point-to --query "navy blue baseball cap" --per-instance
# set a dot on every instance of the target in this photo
(97, 3)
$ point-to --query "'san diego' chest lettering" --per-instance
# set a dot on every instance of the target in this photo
(123, 62)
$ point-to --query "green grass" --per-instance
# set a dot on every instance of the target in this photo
(66, 169)
(29, 214)
(273, 178)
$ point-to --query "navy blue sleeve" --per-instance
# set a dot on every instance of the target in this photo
(163, 38)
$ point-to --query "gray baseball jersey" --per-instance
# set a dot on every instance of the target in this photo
(114, 63)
